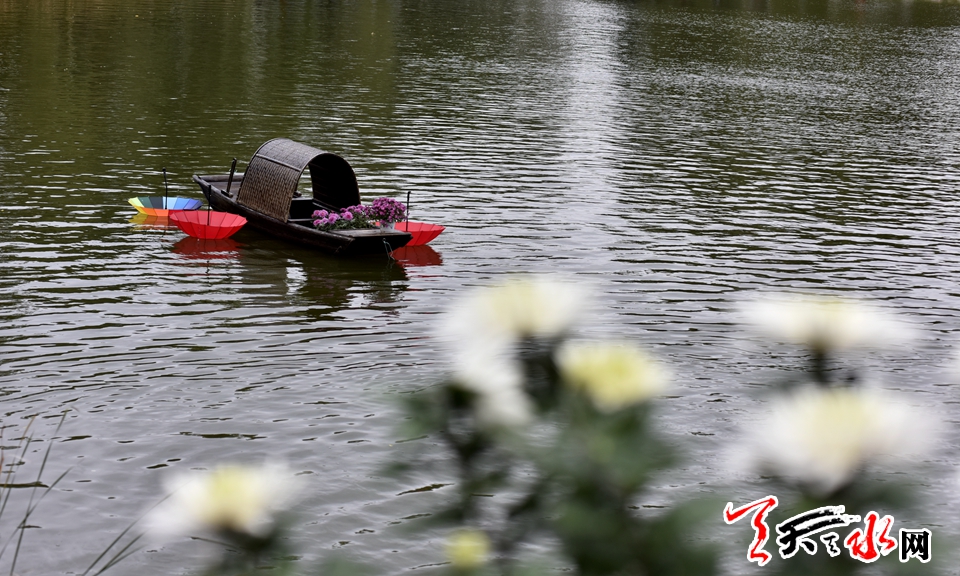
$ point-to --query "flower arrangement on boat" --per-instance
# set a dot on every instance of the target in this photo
(349, 217)
(387, 210)
(383, 211)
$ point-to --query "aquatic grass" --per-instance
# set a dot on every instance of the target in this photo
(126, 551)
(9, 484)
(123, 553)
(6, 489)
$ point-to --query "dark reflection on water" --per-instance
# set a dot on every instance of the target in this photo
(199, 248)
(411, 256)
(679, 155)
(317, 282)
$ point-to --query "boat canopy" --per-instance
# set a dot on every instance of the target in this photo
(271, 178)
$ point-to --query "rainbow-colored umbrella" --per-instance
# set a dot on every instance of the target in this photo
(163, 206)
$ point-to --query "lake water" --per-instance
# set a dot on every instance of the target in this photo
(681, 157)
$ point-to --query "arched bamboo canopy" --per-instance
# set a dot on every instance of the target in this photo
(270, 179)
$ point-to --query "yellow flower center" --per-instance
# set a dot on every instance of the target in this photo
(468, 549)
(613, 375)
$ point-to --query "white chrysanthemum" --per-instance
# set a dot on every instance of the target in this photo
(822, 438)
(498, 384)
(236, 499)
(468, 549)
(508, 408)
(485, 367)
(823, 324)
(523, 306)
(483, 329)
(613, 374)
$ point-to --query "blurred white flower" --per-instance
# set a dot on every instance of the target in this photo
(824, 324)
(482, 331)
(508, 408)
(523, 306)
(612, 374)
(468, 549)
(822, 438)
(485, 367)
(236, 499)
(497, 381)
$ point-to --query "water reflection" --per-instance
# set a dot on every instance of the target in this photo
(145, 222)
(192, 247)
(412, 256)
(313, 282)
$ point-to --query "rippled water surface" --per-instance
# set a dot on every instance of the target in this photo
(680, 157)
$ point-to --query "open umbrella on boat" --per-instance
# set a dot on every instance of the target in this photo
(163, 205)
(208, 224)
(421, 231)
(211, 224)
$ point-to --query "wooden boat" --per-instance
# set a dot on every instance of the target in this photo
(266, 195)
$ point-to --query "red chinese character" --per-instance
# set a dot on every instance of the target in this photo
(874, 541)
(755, 552)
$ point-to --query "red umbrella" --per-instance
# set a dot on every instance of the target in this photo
(421, 231)
(211, 225)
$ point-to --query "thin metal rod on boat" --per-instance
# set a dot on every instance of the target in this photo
(165, 194)
(408, 210)
(233, 168)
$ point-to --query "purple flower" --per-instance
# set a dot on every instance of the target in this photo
(387, 210)
(351, 217)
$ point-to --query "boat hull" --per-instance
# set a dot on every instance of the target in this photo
(341, 242)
